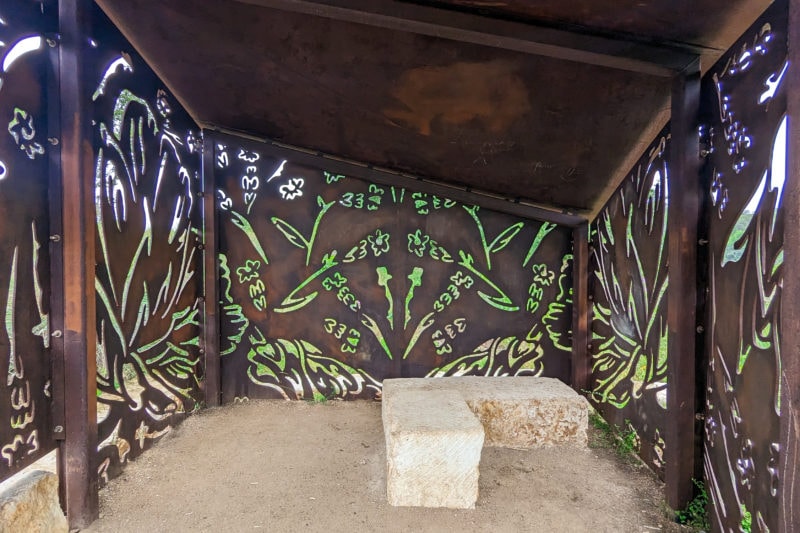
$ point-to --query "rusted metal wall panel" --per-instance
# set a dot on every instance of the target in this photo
(149, 256)
(745, 96)
(25, 385)
(329, 284)
(789, 464)
(629, 323)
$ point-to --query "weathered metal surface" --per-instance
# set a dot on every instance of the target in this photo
(703, 22)
(330, 284)
(573, 45)
(211, 306)
(77, 450)
(745, 95)
(685, 345)
(149, 256)
(581, 309)
(789, 464)
(384, 176)
(514, 124)
(25, 385)
(629, 295)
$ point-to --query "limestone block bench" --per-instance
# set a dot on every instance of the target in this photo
(435, 429)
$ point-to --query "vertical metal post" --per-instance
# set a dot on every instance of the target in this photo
(789, 468)
(55, 231)
(210, 278)
(684, 214)
(580, 307)
(78, 450)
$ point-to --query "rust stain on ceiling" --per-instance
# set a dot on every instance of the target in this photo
(491, 93)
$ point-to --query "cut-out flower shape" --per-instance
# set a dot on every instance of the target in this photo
(162, 104)
(542, 275)
(745, 465)
(417, 242)
(335, 281)
(248, 271)
(293, 189)
(23, 131)
(194, 142)
(379, 242)
(719, 194)
(459, 278)
(249, 156)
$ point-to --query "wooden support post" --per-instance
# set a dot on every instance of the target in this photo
(685, 199)
(210, 278)
(580, 307)
(789, 468)
(78, 450)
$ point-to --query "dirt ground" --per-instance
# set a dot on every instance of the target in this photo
(295, 466)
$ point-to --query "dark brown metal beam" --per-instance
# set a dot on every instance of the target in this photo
(581, 307)
(383, 176)
(618, 53)
(210, 279)
(685, 199)
(55, 200)
(78, 450)
(789, 468)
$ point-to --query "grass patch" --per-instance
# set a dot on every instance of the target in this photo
(747, 520)
(696, 513)
(624, 441)
(321, 398)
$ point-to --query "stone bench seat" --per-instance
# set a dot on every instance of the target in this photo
(435, 429)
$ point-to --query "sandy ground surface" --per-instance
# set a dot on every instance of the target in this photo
(294, 466)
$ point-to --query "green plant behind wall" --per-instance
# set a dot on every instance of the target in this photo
(696, 513)
(623, 440)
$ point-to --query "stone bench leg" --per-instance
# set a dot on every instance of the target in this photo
(433, 449)
(30, 505)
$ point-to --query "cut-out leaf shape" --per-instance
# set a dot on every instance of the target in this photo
(501, 356)
(297, 369)
(243, 224)
(739, 236)
(503, 302)
(291, 234)
(502, 240)
(290, 303)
